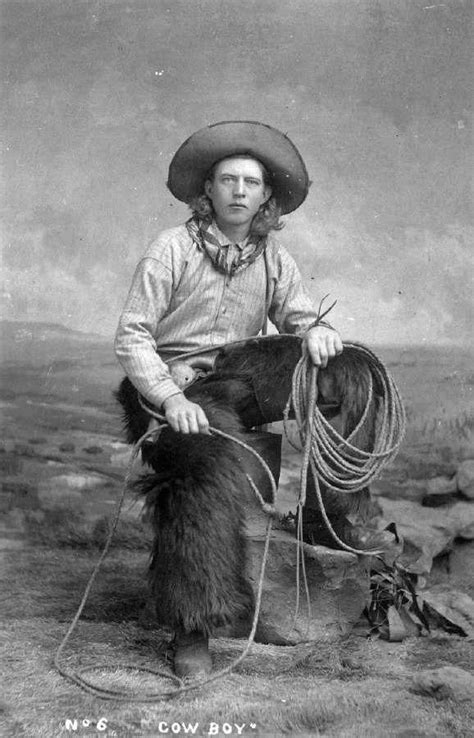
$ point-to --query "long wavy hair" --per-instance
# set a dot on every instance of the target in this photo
(268, 217)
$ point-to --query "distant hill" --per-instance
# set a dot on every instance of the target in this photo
(47, 361)
(17, 330)
(37, 343)
(432, 379)
(51, 375)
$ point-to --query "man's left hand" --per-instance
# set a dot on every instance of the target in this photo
(322, 344)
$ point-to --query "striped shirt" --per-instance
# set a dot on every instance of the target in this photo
(179, 302)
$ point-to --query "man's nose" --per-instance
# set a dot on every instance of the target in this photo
(239, 187)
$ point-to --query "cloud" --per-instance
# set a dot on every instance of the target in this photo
(55, 294)
(386, 293)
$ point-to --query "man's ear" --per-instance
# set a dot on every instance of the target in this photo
(208, 187)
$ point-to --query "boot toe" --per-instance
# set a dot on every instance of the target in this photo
(191, 656)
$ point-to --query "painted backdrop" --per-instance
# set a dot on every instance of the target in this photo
(376, 94)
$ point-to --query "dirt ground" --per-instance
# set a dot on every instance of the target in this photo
(62, 460)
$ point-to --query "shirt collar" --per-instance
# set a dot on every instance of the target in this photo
(223, 239)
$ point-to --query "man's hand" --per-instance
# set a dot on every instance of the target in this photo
(185, 416)
(322, 344)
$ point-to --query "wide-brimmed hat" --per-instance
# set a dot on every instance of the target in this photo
(280, 157)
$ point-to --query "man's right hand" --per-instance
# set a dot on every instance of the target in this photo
(185, 416)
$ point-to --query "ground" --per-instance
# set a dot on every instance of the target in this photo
(63, 460)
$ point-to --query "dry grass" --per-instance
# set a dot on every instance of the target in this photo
(355, 688)
(62, 527)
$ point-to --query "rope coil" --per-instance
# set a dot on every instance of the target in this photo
(333, 460)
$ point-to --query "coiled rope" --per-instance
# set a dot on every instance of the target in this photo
(332, 459)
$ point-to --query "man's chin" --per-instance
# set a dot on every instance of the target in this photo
(238, 216)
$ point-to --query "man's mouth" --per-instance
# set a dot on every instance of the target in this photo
(238, 205)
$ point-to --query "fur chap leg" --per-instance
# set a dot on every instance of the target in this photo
(198, 568)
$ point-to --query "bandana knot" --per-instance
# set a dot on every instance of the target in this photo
(218, 253)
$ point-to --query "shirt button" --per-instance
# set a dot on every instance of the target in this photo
(224, 310)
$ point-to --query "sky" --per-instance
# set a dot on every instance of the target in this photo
(376, 94)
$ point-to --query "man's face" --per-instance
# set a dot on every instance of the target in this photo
(237, 191)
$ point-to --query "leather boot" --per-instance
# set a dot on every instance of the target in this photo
(191, 654)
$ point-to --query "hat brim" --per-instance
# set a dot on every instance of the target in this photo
(280, 157)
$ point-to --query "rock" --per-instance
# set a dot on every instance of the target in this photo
(289, 478)
(461, 570)
(25, 449)
(440, 491)
(118, 445)
(16, 494)
(426, 531)
(462, 518)
(67, 447)
(441, 486)
(338, 585)
(59, 498)
(10, 464)
(395, 630)
(121, 458)
(448, 682)
(412, 489)
(73, 481)
(65, 491)
(288, 489)
(93, 450)
(7, 446)
(465, 478)
(417, 490)
(449, 608)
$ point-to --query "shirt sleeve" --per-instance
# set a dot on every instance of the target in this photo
(291, 308)
(135, 344)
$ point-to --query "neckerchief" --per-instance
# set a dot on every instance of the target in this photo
(206, 241)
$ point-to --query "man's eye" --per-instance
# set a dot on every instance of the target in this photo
(253, 182)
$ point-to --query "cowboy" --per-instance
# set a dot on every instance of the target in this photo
(217, 279)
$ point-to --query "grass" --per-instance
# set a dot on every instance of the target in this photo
(356, 687)
(435, 444)
(69, 527)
